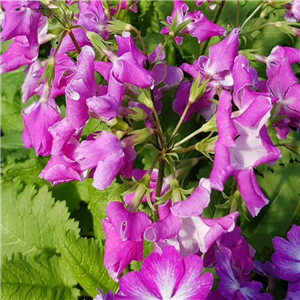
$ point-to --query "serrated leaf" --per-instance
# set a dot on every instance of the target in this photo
(27, 170)
(36, 278)
(31, 220)
(98, 203)
(281, 185)
(85, 259)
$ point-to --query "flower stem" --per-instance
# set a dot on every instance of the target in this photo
(138, 34)
(253, 13)
(162, 49)
(238, 14)
(74, 42)
(189, 137)
(179, 123)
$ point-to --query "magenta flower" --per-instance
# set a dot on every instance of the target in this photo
(183, 227)
(124, 237)
(166, 276)
(286, 258)
(106, 157)
(92, 17)
(81, 87)
(243, 143)
(199, 27)
(284, 86)
(63, 167)
(38, 117)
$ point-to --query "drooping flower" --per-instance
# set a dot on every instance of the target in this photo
(106, 157)
(37, 118)
(81, 87)
(166, 276)
(124, 237)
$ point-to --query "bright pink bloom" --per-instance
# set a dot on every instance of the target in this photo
(106, 157)
(38, 117)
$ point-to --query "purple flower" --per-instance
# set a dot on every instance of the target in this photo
(230, 286)
(106, 157)
(166, 276)
(199, 27)
(286, 258)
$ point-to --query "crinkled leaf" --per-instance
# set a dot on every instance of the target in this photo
(36, 278)
(31, 220)
(85, 259)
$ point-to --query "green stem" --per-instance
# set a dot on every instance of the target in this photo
(238, 14)
(259, 27)
(253, 13)
(78, 26)
(119, 9)
(162, 49)
(138, 34)
(179, 123)
(74, 42)
(172, 167)
(189, 137)
(217, 16)
(59, 44)
(160, 177)
(153, 164)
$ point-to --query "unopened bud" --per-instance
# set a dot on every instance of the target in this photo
(134, 113)
(117, 26)
(137, 137)
(197, 90)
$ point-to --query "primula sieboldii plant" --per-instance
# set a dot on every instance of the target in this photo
(163, 150)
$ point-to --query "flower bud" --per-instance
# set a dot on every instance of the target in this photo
(197, 90)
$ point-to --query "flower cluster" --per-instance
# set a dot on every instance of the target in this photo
(237, 110)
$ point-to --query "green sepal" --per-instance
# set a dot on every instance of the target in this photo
(144, 97)
(197, 90)
(45, 10)
(206, 145)
(117, 26)
(48, 73)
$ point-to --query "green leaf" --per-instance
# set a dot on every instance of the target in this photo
(36, 278)
(85, 259)
(281, 185)
(11, 103)
(30, 220)
(99, 201)
(27, 170)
